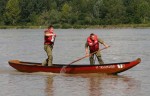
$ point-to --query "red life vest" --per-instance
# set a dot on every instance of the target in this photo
(93, 45)
(48, 39)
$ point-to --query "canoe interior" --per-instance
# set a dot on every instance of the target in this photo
(60, 65)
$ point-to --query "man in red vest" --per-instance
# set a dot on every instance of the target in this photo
(93, 44)
(49, 38)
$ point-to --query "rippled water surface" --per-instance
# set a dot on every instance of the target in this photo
(27, 45)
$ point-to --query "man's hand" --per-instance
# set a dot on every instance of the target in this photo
(106, 46)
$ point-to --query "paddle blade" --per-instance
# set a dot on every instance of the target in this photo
(63, 69)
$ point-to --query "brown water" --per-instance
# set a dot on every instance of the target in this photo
(27, 45)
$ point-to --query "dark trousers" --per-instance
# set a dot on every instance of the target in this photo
(48, 50)
(98, 55)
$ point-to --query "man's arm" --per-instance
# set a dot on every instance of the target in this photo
(106, 46)
(49, 34)
(86, 48)
(102, 42)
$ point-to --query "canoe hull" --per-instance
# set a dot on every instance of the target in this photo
(112, 68)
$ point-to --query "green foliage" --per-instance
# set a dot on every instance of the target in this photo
(54, 17)
(143, 11)
(2, 10)
(12, 12)
(74, 13)
(65, 13)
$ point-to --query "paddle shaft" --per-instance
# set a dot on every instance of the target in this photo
(86, 56)
(63, 68)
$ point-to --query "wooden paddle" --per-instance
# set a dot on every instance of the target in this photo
(63, 68)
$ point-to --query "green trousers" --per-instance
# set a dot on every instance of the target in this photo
(98, 55)
(48, 61)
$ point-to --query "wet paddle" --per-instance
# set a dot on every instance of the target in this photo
(63, 68)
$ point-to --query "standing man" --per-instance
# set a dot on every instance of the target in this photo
(93, 44)
(49, 38)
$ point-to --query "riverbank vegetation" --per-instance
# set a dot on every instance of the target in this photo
(74, 13)
(80, 26)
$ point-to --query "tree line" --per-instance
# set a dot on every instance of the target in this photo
(74, 12)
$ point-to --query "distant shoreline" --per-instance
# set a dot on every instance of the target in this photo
(80, 26)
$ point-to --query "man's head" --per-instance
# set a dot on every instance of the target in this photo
(92, 36)
(51, 28)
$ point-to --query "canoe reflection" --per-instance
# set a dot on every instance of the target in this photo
(91, 85)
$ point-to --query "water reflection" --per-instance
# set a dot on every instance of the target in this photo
(94, 86)
(91, 85)
(49, 86)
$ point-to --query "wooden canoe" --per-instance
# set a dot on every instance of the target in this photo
(112, 68)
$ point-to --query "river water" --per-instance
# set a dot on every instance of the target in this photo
(27, 45)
